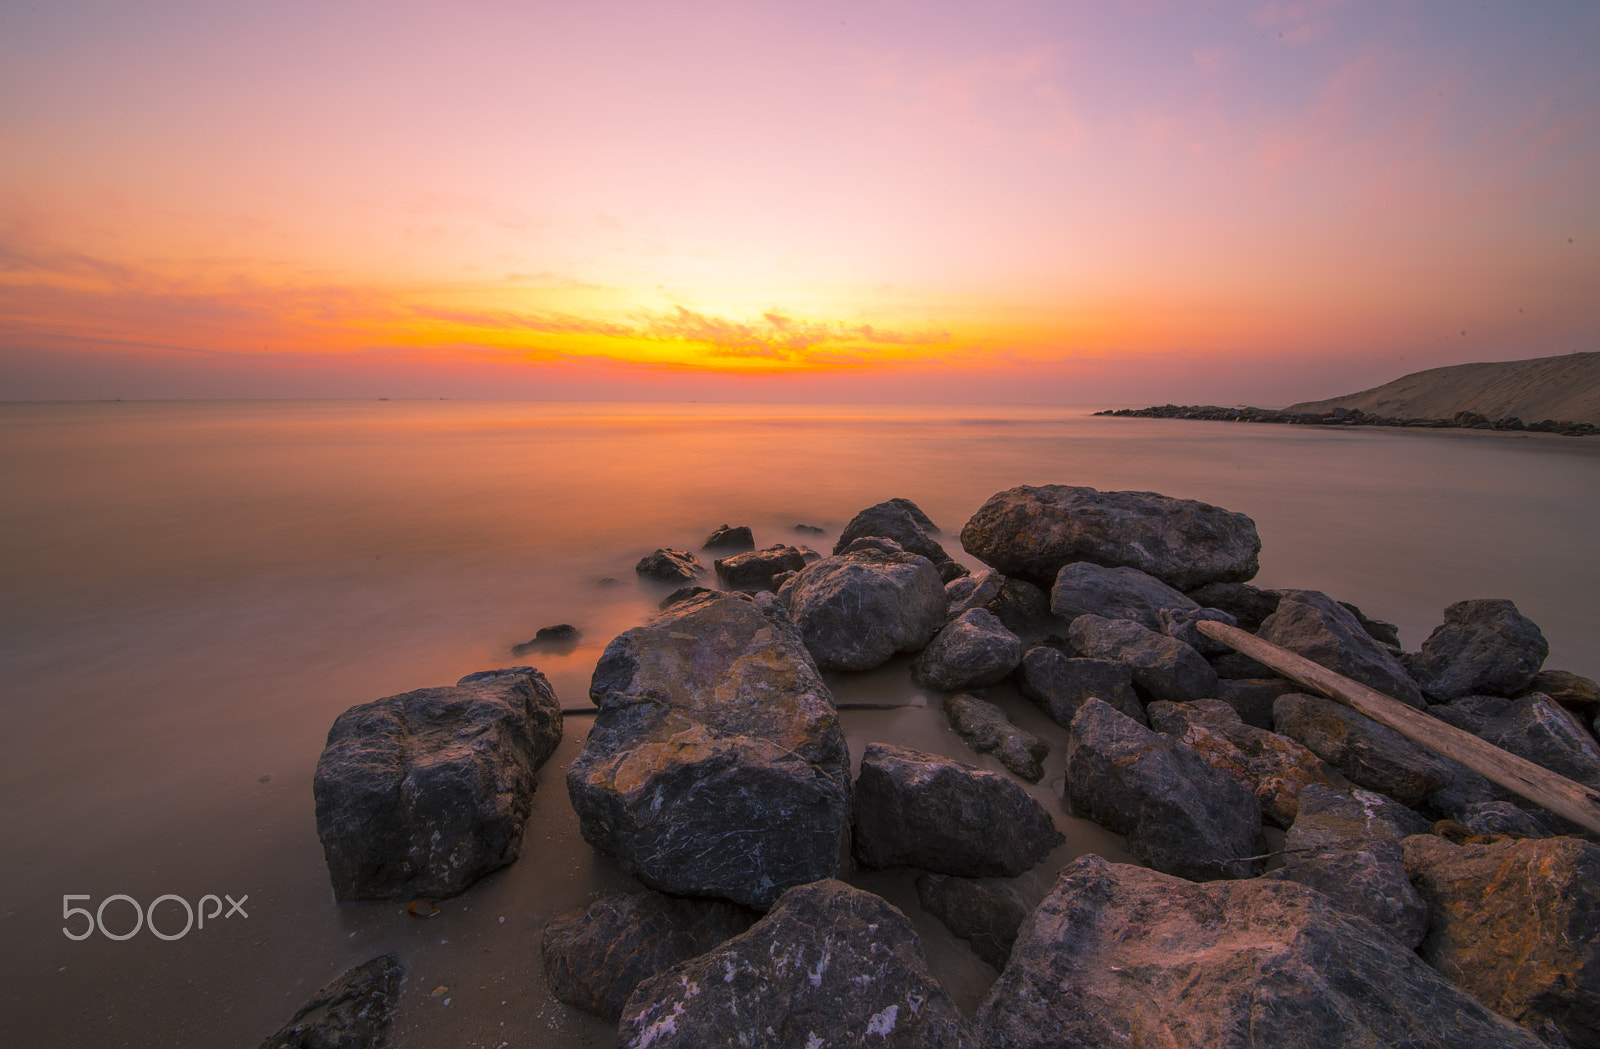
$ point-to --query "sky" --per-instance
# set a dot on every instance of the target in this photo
(1037, 202)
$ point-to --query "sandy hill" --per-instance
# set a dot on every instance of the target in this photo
(1564, 388)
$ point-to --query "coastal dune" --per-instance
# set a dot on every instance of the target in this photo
(1565, 388)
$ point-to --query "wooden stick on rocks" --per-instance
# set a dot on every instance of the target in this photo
(1536, 783)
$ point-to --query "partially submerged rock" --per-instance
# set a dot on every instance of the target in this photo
(560, 639)
(1275, 768)
(1517, 924)
(1085, 588)
(830, 965)
(670, 566)
(755, 570)
(716, 765)
(1060, 684)
(857, 610)
(595, 956)
(1483, 647)
(354, 1011)
(729, 537)
(423, 793)
(1177, 813)
(972, 650)
(1314, 625)
(905, 523)
(1163, 667)
(921, 810)
(1033, 531)
(985, 914)
(988, 729)
(1118, 955)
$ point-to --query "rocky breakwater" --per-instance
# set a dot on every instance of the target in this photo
(716, 765)
(1463, 420)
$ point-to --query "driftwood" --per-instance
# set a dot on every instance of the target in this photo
(916, 704)
(1534, 782)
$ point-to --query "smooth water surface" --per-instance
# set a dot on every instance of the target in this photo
(190, 593)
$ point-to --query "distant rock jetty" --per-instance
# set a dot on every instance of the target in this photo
(1462, 420)
(1542, 395)
(1416, 903)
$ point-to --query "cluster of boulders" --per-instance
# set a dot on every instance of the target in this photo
(1412, 902)
(1463, 420)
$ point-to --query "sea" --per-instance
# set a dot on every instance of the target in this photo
(191, 592)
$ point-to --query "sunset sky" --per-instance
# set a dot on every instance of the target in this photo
(922, 201)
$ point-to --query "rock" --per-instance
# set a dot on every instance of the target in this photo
(1469, 713)
(985, 915)
(559, 639)
(595, 956)
(971, 651)
(754, 570)
(1572, 691)
(1023, 609)
(1385, 634)
(1177, 813)
(1085, 588)
(1376, 757)
(716, 765)
(1245, 603)
(1033, 532)
(805, 529)
(921, 810)
(1517, 924)
(1121, 956)
(1180, 623)
(684, 593)
(902, 521)
(1369, 882)
(1317, 627)
(670, 566)
(1163, 667)
(1059, 684)
(1332, 821)
(831, 965)
(1252, 698)
(1483, 647)
(1274, 768)
(857, 610)
(1489, 818)
(986, 728)
(1539, 729)
(423, 793)
(730, 538)
(1237, 666)
(355, 1011)
(972, 591)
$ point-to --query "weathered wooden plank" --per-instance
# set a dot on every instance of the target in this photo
(1534, 782)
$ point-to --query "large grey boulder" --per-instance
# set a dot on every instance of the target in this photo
(1573, 691)
(1033, 531)
(1314, 625)
(1085, 588)
(670, 566)
(1546, 733)
(1370, 882)
(423, 793)
(1274, 768)
(830, 965)
(1118, 955)
(1517, 924)
(1059, 684)
(354, 1011)
(1247, 604)
(756, 569)
(1177, 813)
(985, 914)
(905, 523)
(972, 650)
(857, 610)
(1483, 647)
(1163, 667)
(1376, 757)
(987, 728)
(716, 765)
(595, 956)
(916, 809)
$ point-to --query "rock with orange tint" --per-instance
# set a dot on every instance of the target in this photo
(716, 765)
(1517, 923)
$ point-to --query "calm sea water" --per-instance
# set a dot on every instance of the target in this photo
(190, 593)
